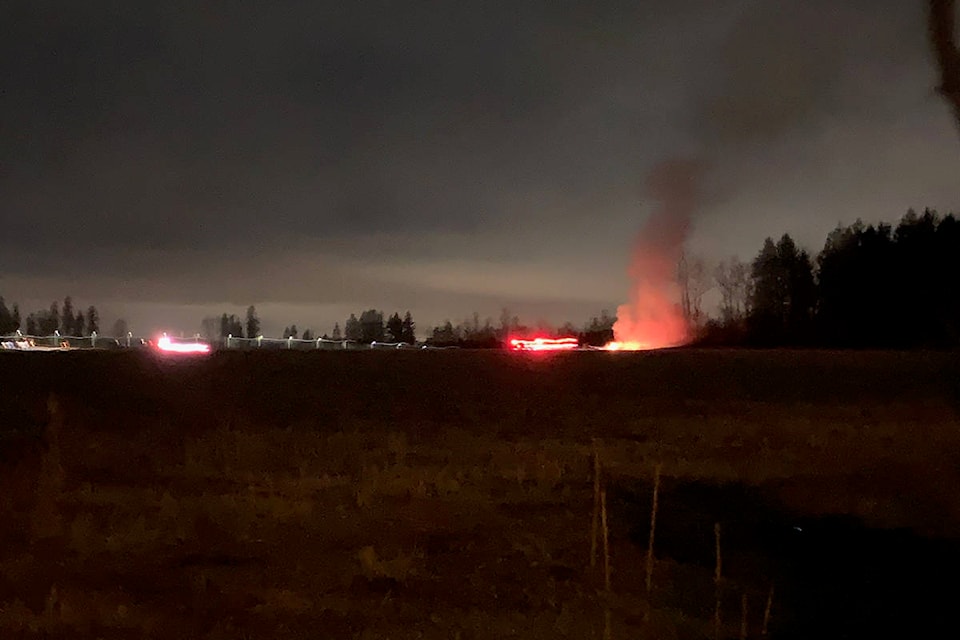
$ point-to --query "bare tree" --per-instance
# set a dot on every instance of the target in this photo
(742, 287)
(724, 279)
(733, 280)
(683, 279)
(941, 25)
(694, 279)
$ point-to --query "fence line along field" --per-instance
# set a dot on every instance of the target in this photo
(263, 494)
(26, 342)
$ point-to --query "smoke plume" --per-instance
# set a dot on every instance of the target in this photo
(653, 317)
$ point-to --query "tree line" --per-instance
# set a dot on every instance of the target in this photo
(472, 333)
(56, 318)
(373, 325)
(871, 286)
(369, 327)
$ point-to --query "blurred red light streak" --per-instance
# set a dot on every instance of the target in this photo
(168, 346)
(544, 344)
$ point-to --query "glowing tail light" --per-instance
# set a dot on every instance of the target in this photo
(544, 344)
(168, 346)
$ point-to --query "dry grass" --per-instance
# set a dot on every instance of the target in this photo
(439, 512)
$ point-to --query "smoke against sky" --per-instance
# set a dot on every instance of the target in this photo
(314, 158)
(652, 318)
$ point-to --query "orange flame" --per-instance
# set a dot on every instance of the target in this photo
(627, 346)
(653, 319)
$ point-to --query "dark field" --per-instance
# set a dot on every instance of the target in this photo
(450, 494)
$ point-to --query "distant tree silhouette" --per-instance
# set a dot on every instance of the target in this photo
(41, 321)
(506, 323)
(599, 331)
(874, 286)
(119, 329)
(801, 291)
(336, 332)
(45, 322)
(927, 265)
(857, 276)
(395, 328)
(880, 287)
(767, 297)
(253, 322)
(352, 329)
(948, 273)
(308, 335)
(290, 332)
(67, 320)
(732, 279)
(694, 279)
(230, 325)
(210, 328)
(408, 329)
(469, 334)
(236, 326)
(371, 326)
(471, 327)
(93, 320)
(784, 294)
(6, 319)
(444, 335)
(473, 334)
(50, 321)
(918, 286)
(79, 325)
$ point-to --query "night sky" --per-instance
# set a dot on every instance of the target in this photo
(168, 161)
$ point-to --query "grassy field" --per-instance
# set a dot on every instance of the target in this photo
(452, 494)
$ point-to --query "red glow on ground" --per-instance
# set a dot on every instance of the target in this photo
(544, 344)
(628, 346)
(168, 346)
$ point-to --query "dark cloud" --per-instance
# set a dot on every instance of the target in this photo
(181, 152)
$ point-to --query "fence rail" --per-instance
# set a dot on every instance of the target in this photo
(26, 342)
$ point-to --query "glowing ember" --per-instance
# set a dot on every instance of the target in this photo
(166, 345)
(544, 344)
(628, 346)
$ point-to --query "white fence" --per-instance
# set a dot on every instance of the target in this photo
(25, 342)
(260, 342)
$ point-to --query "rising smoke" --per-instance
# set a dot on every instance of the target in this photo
(653, 317)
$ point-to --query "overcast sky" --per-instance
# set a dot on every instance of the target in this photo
(171, 160)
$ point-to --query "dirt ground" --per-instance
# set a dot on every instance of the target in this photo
(451, 494)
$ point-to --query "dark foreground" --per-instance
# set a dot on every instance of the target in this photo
(451, 494)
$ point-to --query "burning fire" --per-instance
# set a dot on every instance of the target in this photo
(166, 345)
(544, 344)
(627, 346)
(653, 318)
